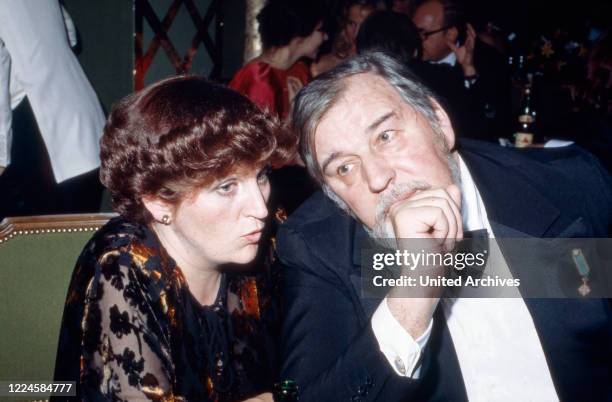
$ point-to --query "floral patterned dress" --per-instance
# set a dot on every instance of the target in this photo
(133, 331)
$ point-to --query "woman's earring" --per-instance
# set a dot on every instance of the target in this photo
(165, 219)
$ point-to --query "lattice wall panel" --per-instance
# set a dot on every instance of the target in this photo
(159, 30)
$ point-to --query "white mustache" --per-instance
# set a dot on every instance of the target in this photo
(392, 195)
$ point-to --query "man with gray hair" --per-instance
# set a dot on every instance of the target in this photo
(385, 154)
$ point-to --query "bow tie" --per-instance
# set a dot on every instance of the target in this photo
(474, 242)
(476, 234)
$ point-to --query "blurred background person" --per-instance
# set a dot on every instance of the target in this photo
(153, 310)
(402, 6)
(290, 31)
(399, 6)
(391, 32)
(395, 34)
(588, 108)
(449, 43)
(50, 117)
(353, 13)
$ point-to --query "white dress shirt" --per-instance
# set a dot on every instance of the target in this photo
(497, 346)
(36, 61)
(451, 60)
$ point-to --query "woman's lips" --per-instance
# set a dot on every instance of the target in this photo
(253, 237)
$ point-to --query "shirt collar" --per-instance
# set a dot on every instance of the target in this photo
(473, 212)
(451, 60)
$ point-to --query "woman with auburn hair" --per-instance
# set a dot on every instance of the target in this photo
(157, 308)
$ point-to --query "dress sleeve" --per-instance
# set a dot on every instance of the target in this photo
(125, 350)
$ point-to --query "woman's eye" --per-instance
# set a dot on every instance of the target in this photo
(343, 170)
(226, 188)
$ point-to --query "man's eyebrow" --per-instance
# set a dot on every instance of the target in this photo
(329, 160)
(370, 128)
(380, 121)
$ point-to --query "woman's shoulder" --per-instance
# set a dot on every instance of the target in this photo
(122, 245)
(253, 71)
(300, 70)
(118, 235)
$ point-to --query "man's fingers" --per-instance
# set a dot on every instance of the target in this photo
(470, 29)
(445, 231)
(426, 217)
(425, 222)
(453, 195)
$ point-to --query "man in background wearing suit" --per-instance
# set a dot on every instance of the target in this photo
(385, 154)
(479, 78)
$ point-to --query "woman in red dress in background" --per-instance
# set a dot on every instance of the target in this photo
(289, 32)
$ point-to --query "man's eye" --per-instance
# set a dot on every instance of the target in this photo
(343, 170)
(385, 136)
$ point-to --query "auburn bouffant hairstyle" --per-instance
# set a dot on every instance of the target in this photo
(181, 134)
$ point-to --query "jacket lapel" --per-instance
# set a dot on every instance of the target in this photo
(510, 198)
(360, 241)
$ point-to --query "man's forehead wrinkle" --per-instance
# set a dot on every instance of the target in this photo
(375, 92)
(369, 89)
(364, 98)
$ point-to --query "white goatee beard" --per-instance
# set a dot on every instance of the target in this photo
(382, 232)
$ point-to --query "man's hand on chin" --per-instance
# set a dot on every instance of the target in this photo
(433, 215)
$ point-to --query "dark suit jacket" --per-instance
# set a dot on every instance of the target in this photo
(329, 347)
(484, 111)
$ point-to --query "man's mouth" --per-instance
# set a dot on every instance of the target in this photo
(400, 197)
(398, 193)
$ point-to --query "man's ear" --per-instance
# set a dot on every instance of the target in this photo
(445, 124)
(158, 208)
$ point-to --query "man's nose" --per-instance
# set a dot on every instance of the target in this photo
(378, 174)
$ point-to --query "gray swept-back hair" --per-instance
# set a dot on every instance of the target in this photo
(319, 96)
